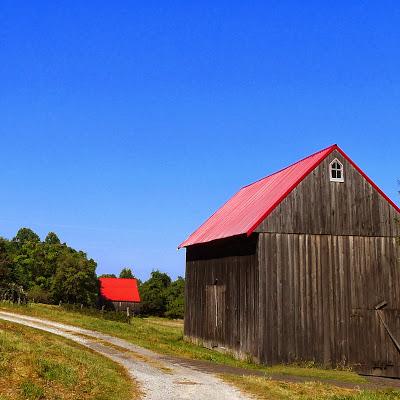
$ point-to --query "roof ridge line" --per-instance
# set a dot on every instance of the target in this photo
(328, 151)
(249, 231)
(333, 146)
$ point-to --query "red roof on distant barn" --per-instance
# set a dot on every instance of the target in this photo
(253, 203)
(119, 289)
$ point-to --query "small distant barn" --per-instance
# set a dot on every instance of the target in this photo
(120, 293)
(302, 265)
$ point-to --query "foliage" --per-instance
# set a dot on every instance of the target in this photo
(162, 297)
(175, 295)
(39, 295)
(52, 238)
(48, 271)
(14, 293)
(51, 272)
(5, 263)
(153, 294)
(75, 280)
(25, 235)
(126, 273)
(107, 276)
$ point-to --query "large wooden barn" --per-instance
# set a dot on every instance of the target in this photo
(302, 265)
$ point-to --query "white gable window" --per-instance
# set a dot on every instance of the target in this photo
(336, 171)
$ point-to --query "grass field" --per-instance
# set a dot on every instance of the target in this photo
(166, 337)
(35, 365)
(268, 389)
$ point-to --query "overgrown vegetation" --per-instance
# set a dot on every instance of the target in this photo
(36, 365)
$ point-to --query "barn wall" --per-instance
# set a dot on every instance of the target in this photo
(318, 206)
(317, 295)
(123, 305)
(221, 294)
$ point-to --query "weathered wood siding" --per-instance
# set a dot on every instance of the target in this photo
(318, 206)
(317, 295)
(123, 305)
(221, 307)
(305, 285)
(328, 255)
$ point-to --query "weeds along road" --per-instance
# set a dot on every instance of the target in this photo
(158, 378)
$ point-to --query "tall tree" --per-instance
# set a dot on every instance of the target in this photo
(75, 280)
(52, 238)
(153, 293)
(49, 271)
(175, 299)
(26, 235)
(5, 263)
(126, 273)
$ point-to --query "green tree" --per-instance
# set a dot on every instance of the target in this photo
(27, 258)
(126, 273)
(153, 294)
(49, 271)
(175, 297)
(52, 238)
(107, 276)
(26, 235)
(5, 263)
(75, 280)
(38, 294)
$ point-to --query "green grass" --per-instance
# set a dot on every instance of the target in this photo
(268, 389)
(36, 365)
(166, 337)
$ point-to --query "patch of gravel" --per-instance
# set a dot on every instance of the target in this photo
(158, 377)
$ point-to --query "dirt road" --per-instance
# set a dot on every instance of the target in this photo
(157, 377)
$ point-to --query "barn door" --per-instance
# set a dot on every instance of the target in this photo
(215, 312)
(375, 317)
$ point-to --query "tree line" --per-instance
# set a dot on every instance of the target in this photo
(159, 295)
(51, 272)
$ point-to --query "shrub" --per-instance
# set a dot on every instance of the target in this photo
(14, 293)
(39, 295)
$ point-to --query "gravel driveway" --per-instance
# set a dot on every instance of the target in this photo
(157, 377)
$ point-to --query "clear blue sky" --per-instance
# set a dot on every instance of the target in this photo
(123, 125)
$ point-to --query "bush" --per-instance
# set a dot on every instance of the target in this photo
(14, 293)
(39, 295)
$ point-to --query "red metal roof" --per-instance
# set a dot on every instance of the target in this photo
(119, 289)
(253, 203)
